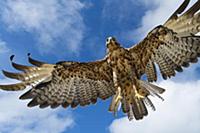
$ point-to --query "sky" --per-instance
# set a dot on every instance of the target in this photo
(56, 30)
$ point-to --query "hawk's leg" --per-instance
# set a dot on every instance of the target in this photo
(116, 101)
(117, 97)
(137, 94)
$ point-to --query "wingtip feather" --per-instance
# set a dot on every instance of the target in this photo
(34, 62)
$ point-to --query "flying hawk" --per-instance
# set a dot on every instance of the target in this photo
(170, 46)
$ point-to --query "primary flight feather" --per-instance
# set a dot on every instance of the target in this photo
(171, 46)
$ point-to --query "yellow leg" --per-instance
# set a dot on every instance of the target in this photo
(136, 93)
(116, 101)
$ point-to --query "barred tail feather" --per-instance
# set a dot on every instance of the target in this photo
(151, 87)
(136, 107)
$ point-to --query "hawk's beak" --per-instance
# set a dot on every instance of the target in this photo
(110, 42)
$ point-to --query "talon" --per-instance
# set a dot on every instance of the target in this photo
(119, 97)
(138, 95)
(116, 101)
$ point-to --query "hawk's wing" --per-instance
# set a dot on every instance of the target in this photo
(64, 83)
(171, 46)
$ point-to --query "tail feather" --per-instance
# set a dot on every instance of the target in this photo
(136, 106)
(130, 113)
(136, 109)
(149, 103)
(125, 106)
(153, 89)
(143, 108)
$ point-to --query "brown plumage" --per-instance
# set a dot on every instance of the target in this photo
(171, 47)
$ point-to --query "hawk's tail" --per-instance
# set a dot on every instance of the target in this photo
(30, 75)
(134, 104)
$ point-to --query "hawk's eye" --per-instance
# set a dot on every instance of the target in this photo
(107, 40)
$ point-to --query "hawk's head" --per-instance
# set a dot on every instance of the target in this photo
(111, 43)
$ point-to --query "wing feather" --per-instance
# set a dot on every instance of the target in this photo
(171, 46)
(151, 71)
(188, 22)
(65, 83)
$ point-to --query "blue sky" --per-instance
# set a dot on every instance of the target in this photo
(57, 30)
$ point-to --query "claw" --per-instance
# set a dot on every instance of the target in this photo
(116, 101)
(138, 95)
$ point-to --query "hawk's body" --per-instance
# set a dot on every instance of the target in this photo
(171, 46)
(126, 79)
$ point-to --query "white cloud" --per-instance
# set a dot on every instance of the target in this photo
(53, 22)
(159, 12)
(178, 113)
(154, 17)
(15, 117)
(3, 47)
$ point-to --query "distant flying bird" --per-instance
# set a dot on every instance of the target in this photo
(171, 46)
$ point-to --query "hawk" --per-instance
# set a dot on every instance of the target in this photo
(170, 46)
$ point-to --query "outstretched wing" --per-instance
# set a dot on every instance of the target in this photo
(171, 46)
(64, 83)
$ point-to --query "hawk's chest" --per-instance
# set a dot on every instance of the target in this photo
(120, 61)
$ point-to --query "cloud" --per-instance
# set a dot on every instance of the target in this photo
(16, 117)
(153, 17)
(52, 22)
(3, 47)
(178, 113)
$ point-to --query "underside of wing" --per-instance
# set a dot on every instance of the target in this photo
(188, 22)
(171, 46)
(64, 83)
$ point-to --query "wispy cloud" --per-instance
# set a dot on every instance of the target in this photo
(3, 47)
(15, 117)
(178, 113)
(52, 22)
(153, 17)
